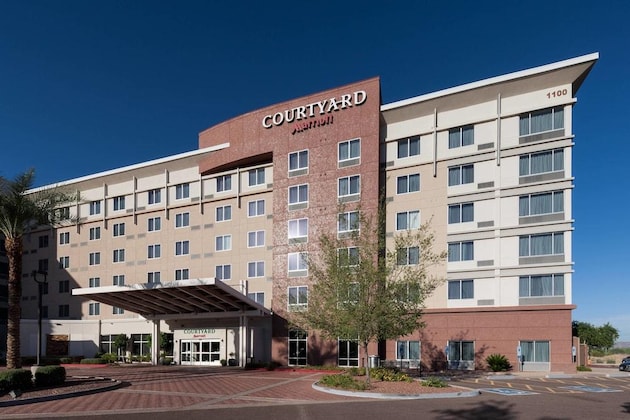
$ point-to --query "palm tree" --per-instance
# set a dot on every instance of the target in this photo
(22, 210)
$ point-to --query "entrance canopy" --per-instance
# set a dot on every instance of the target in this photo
(203, 298)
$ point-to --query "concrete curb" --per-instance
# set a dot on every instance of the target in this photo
(459, 394)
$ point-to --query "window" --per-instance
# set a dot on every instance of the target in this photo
(64, 311)
(297, 263)
(298, 160)
(409, 147)
(408, 256)
(224, 183)
(63, 213)
(408, 220)
(154, 251)
(256, 269)
(117, 311)
(545, 203)
(95, 258)
(95, 308)
(42, 265)
(182, 247)
(94, 282)
(349, 185)
(408, 183)
(182, 274)
(461, 251)
(462, 174)
(255, 238)
(256, 208)
(298, 194)
(461, 289)
(154, 196)
(43, 241)
(182, 219)
(535, 351)
(119, 203)
(348, 222)
(542, 244)
(64, 238)
(407, 350)
(95, 233)
(258, 297)
(349, 150)
(298, 228)
(153, 277)
(348, 353)
(154, 224)
(119, 255)
(223, 243)
(119, 229)
(298, 298)
(182, 191)
(224, 213)
(543, 285)
(95, 207)
(461, 351)
(256, 177)
(540, 121)
(64, 286)
(64, 262)
(461, 136)
(223, 272)
(297, 347)
(348, 257)
(542, 162)
(118, 280)
(461, 213)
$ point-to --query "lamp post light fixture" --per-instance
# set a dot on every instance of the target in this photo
(40, 290)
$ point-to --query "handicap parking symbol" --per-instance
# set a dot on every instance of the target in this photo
(586, 388)
(507, 391)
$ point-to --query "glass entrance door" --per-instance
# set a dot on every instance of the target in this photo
(200, 352)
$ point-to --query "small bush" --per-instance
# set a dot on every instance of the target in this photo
(92, 361)
(109, 357)
(15, 379)
(498, 363)
(50, 376)
(389, 375)
(342, 381)
(356, 371)
(65, 360)
(434, 382)
(584, 369)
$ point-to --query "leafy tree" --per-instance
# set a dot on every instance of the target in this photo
(365, 291)
(601, 338)
(20, 212)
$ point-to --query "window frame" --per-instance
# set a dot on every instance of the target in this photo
(298, 158)
(255, 176)
(350, 156)
(224, 183)
(256, 271)
(154, 224)
(118, 203)
(223, 243)
(257, 235)
(300, 296)
(458, 134)
(182, 219)
(154, 251)
(118, 229)
(255, 205)
(461, 252)
(465, 289)
(459, 210)
(348, 181)
(461, 174)
(222, 268)
(409, 217)
(407, 147)
(182, 248)
(154, 196)
(222, 210)
(407, 183)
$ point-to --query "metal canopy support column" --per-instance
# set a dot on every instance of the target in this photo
(243, 325)
(155, 342)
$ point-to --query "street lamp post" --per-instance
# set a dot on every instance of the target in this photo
(40, 289)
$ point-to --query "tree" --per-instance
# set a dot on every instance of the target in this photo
(20, 212)
(365, 291)
(601, 338)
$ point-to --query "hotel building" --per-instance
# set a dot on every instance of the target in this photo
(206, 246)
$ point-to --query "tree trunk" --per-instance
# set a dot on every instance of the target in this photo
(367, 365)
(14, 255)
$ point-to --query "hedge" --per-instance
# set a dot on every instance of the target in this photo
(50, 376)
(15, 379)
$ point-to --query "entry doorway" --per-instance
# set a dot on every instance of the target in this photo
(200, 352)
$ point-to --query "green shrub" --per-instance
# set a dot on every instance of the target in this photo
(15, 379)
(498, 363)
(356, 371)
(389, 375)
(92, 361)
(109, 357)
(584, 369)
(65, 360)
(342, 381)
(50, 376)
(434, 382)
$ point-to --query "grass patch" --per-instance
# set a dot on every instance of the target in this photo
(343, 381)
(434, 382)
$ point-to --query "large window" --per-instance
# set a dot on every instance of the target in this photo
(461, 251)
(461, 351)
(224, 183)
(298, 161)
(298, 229)
(461, 213)
(408, 147)
(256, 269)
(223, 243)
(461, 289)
(224, 213)
(297, 263)
(408, 220)
(349, 185)
(223, 272)
(255, 238)
(348, 353)
(297, 341)
(407, 350)
(535, 351)
(256, 208)
(542, 162)
(256, 177)
(461, 136)
(348, 222)
(182, 247)
(407, 183)
(182, 191)
(542, 285)
(461, 174)
(540, 121)
(542, 244)
(298, 194)
(544, 203)
(408, 256)
(298, 298)
(349, 150)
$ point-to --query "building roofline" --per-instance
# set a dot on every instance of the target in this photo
(132, 167)
(492, 80)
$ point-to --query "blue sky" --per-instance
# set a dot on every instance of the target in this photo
(87, 86)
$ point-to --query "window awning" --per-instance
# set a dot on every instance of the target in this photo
(203, 298)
